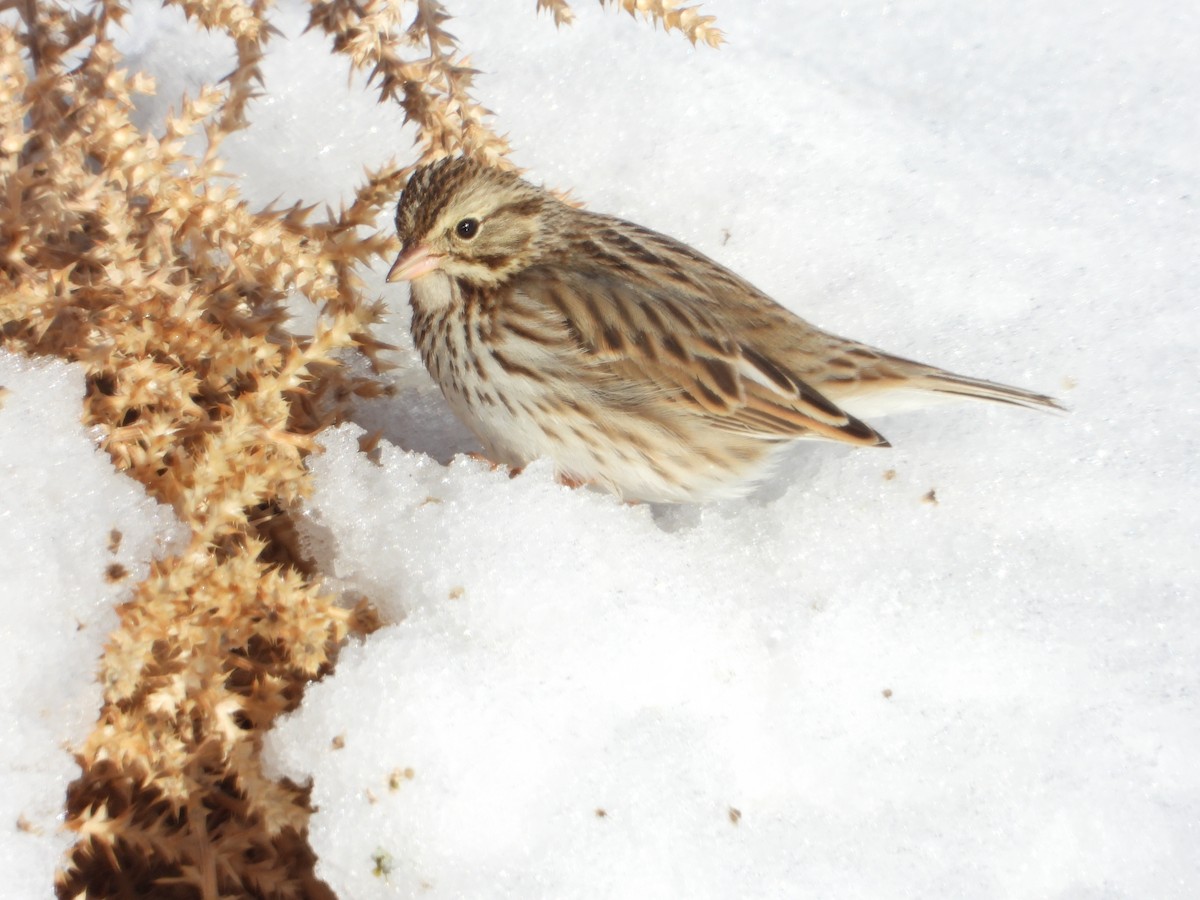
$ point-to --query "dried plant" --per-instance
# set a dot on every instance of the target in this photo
(141, 261)
(673, 17)
(668, 13)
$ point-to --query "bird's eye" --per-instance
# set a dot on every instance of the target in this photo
(467, 229)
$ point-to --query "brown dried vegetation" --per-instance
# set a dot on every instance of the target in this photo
(125, 252)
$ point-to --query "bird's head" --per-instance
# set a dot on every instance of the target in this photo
(469, 221)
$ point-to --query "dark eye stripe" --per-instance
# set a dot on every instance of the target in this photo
(495, 261)
(527, 207)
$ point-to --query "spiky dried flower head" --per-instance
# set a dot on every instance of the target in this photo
(672, 15)
(144, 264)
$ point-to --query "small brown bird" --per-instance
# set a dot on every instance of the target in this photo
(628, 358)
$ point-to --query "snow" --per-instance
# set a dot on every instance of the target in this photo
(993, 695)
(839, 686)
(63, 569)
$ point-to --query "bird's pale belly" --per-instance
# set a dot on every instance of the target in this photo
(522, 410)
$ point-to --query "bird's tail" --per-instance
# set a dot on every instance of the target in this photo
(941, 382)
(887, 384)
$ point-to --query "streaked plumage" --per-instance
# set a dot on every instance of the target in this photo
(630, 359)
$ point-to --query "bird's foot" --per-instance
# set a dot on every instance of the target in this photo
(513, 471)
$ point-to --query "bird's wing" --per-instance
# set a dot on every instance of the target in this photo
(665, 333)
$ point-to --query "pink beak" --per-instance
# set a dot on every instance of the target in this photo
(413, 263)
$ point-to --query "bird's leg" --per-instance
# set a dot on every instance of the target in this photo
(569, 481)
(493, 465)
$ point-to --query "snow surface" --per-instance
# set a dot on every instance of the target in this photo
(833, 687)
(990, 696)
(60, 579)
